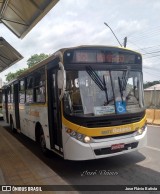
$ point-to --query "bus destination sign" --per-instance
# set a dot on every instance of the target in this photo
(95, 56)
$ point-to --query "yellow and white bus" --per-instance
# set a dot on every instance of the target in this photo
(82, 103)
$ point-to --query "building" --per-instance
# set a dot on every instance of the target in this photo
(152, 96)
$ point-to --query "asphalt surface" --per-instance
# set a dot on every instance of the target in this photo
(137, 168)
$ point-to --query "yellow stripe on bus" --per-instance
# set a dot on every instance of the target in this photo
(103, 131)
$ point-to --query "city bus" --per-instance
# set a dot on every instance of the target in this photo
(82, 102)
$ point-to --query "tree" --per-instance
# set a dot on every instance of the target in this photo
(149, 84)
(34, 59)
(11, 76)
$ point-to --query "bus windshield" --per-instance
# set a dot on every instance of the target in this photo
(96, 93)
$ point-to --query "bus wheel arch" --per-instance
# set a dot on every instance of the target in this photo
(40, 138)
(12, 124)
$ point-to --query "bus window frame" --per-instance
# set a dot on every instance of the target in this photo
(41, 86)
(33, 86)
(9, 94)
(22, 90)
(29, 88)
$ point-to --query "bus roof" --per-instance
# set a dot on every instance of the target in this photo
(60, 53)
(99, 46)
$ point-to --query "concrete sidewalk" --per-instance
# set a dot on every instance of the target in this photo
(19, 166)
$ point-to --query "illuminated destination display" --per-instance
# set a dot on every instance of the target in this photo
(97, 56)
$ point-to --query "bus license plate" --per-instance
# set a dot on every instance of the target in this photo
(117, 146)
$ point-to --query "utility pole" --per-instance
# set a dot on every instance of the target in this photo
(113, 33)
(125, 42)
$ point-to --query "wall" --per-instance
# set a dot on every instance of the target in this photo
(152, 98)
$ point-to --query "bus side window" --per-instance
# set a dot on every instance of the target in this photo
(22, 91)
(9, 94)
(39, 86)
(29, 90)
(3, 96)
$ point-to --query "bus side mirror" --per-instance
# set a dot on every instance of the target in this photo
(61, 80)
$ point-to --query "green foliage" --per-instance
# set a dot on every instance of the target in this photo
(34, 59)
(10, 76)
(149, 84)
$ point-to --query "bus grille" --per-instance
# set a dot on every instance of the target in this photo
(111, 136)
(110, 122)
(104, 151)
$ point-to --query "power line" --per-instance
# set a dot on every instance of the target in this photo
(146, 30)
(149, 35)
(151, 56)
(149, 30)
(151, 47)
(151, 53)
(158, 76)
(151, 68)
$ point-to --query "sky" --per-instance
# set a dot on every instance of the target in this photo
(81, 22)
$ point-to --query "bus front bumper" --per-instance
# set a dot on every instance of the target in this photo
(77, 150)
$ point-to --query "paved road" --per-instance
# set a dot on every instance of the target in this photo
(137, 168)
(154, 136)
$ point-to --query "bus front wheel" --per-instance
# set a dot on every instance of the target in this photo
(12, 126)
(42, 142)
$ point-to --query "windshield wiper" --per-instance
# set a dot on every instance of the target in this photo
(123, 82)
(120, 88)
(105, 89)
(95, 77)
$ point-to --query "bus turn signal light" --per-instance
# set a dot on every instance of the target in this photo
(78, 136)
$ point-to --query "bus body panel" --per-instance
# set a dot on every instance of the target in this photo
(82, 151)
(11, 113)
(30, 116)
(51, 116)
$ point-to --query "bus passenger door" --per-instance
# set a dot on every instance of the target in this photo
(54, 112)
(16, 101)
(5, 104)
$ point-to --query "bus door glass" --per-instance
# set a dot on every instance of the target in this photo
(54, 111)
(5, 105)
(16, 101)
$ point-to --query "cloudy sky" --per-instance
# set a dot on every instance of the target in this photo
(81, 22)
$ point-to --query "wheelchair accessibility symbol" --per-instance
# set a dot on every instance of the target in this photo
(121, 107)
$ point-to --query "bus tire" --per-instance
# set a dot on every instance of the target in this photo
(42, 142)
(12, 126)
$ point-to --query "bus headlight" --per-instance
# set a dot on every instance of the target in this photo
(141, 130)
(79, 136)
(87, 139)
(73, 134)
